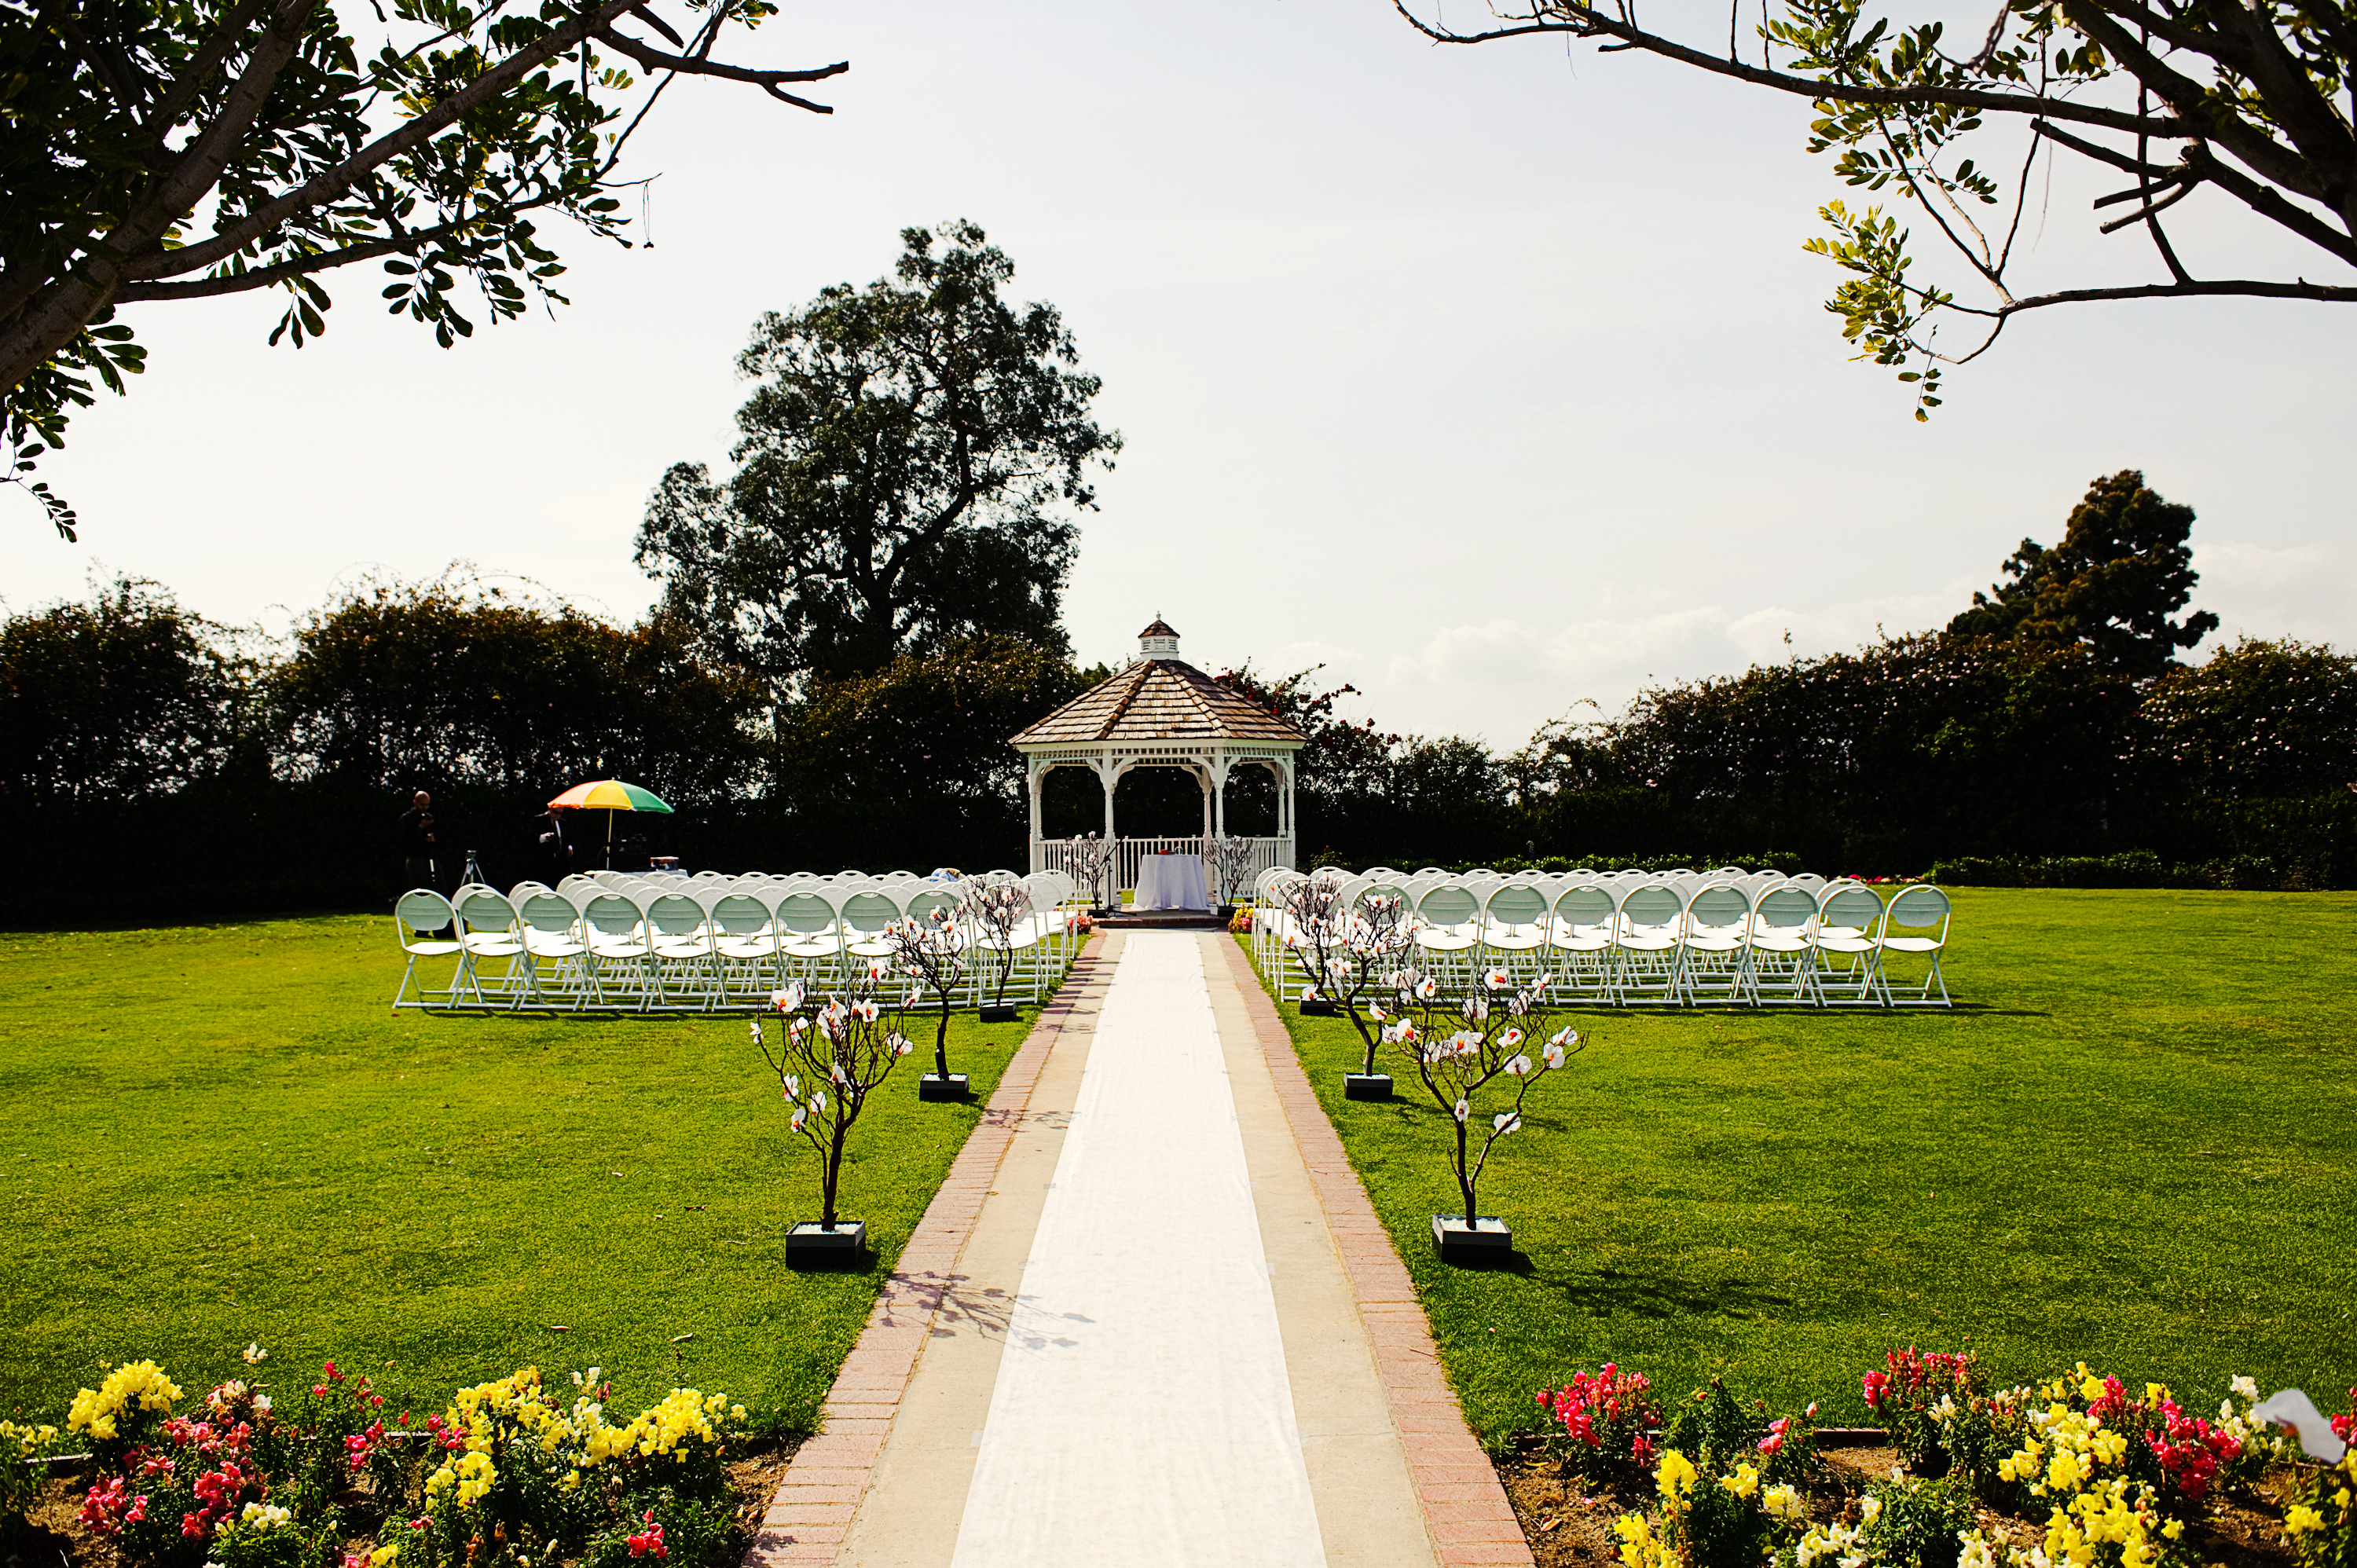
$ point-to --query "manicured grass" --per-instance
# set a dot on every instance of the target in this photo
(2136, 1145)
(221, 1134)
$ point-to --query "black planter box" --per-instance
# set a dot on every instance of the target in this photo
(1319, 1010)
(1366, 1086)
(1487, 1240)
(932, 1086)
(995, 1015)
(811, 1245)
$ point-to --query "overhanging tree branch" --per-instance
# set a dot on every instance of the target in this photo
(2225, 79)
(1587, 24)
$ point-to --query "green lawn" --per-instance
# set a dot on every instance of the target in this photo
(221, 1134)
(2135, 1143)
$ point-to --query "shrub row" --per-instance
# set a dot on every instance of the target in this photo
(2136, 868)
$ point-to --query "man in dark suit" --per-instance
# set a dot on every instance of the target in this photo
(558, 844)
(417, 842)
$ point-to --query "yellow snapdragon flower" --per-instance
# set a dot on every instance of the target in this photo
(1675, 1477)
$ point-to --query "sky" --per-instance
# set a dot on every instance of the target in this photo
(1494, 379)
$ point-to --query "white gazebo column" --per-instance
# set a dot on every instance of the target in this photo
(1203, 776)
(1109, 771)
(1039, 776)
(1219, 776)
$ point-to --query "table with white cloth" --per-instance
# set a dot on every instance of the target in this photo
(1171, 882)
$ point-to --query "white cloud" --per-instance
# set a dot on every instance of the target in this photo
(2301, 590)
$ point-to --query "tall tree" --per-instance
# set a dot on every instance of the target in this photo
(2114, 583)
(899, 479)
(156, 153)
(126, 697)
(2254, 96)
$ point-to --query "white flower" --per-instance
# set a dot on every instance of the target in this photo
(902, 1047)
(1425, 990)
(1541, 983)
(1476, 1008)
(1506, 1122)
(835, 1073)
(1783, 1502)
(793, 1085)
(1496, 980)
(755, 1025)
(2246, 1388)
(1519, 1065)
(1375, 1013)
(1553, 1055)
(788, 999)
(866, 1012)
(255, 1354)
(261, 1401)
(1463, 1109)
(818, 1101)
(1511, 1038)
(1869, 1509)
(799, 1116)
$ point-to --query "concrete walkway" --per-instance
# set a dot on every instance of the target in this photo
(1150, 1320)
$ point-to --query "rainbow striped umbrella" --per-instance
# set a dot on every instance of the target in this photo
(611, 795)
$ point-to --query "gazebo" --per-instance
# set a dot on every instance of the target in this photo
(1162, 711)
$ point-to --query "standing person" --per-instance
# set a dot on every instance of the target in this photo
(417, 842)
(558, 844)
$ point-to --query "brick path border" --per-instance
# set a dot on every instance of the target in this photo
(1465, 1508)
(812, 1506)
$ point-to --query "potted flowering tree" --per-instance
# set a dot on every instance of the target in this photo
(1230, 861)
(932, 950)
(843, 1051)
(1346, 952)
(1089, 859)
(997, 911)
(1471, 1053)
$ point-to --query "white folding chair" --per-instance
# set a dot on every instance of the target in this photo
(1580, 936)
(1713, 946)
(1645, 945)
(1781, 947)
(1514, 930)
(744, 945)
(549, 926)
(1916, 923)
(416, 914)
(684, 954)
(489, 927)
(1848, 971)
(1447, 930)
(616, 930)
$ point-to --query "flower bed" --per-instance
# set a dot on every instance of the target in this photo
(513, 1472)
(2080, 1471)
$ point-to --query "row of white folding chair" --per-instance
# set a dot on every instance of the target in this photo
(1688, 940)
(707, 947)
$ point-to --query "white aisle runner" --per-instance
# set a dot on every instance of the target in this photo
(1142, 1416)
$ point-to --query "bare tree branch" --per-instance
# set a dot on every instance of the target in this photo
(656, 59)
(1589, 23)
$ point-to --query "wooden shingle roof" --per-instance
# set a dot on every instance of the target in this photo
(1160, 700)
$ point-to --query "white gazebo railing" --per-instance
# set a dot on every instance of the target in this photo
(1055, 854)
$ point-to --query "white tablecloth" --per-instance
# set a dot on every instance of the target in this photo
(1171, 882)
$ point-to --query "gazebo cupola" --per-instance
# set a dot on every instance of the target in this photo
(1161, 711)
